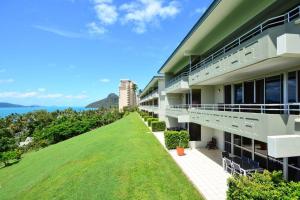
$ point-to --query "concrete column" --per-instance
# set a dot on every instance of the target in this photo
(232, 143)
(285, 92)
(253, 149)
(285, 168)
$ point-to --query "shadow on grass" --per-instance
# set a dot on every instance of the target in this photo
(9, 164)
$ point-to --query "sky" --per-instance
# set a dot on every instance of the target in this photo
(74, 52)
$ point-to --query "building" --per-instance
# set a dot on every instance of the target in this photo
(127, 94)
(236, 77)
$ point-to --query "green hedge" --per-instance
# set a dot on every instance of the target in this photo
(262, 186)
(150, 120)
(158, 126)
(176, 138)
(146, 118)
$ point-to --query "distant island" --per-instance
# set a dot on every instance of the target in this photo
(10, 105)
(112, 100)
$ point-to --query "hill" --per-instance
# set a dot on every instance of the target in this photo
(118, 161)
(9, 105)
(112, 100)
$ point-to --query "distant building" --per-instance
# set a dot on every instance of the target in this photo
(127, 94)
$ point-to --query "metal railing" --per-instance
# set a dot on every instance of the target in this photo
(272, 22)
(292, 108)
(177, 78)
(149, 95)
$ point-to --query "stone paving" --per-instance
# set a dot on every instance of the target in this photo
(207, 175)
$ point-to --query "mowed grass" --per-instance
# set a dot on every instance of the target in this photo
(119, 161)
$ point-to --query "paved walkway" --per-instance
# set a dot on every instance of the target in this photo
(208, 176)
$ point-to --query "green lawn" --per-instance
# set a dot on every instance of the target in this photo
(119, 161)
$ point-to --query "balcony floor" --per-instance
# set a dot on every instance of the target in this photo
(204, 169)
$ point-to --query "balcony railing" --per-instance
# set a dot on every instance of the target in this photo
(177, 78)
(292, 108)
(272, 22)
(149, 95)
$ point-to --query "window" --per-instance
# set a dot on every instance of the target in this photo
(247, 143)
(292, 87)
(259, 89)
(238, 94)
(227, 143)
(237, 140)
(249, 92)
(273, 93)
(260, 147)
(227, 95)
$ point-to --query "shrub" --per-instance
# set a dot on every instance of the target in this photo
(158, 126)
(8, 156)
(150, 120)
(147, 117)
(176, 138)
(262, 186)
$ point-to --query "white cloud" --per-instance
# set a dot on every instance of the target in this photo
(4, 81)
(59, 32)
(17, 94)
(40, 93)
(94, 29)
(201, 10)
(106, 11)
(144, 12)
(105, 80)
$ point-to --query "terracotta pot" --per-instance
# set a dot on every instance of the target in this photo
(180, 151)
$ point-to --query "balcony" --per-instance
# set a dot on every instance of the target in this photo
(255, 48)
(151, 96)
(153, 109)
(257, 121)
(178, 84)
(178, 111)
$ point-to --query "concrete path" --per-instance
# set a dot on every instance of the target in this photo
(208, 176)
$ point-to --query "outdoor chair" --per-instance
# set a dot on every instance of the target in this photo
(237, 169)
(245, 159)
(212, 144)
(228, 165)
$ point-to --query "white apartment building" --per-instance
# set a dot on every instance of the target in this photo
(236, 77)
(127, 94)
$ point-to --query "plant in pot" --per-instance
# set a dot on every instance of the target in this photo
(180, 148)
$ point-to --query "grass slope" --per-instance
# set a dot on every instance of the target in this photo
(118, 161)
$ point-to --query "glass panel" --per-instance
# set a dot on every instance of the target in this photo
(261, 147)
(247, 143)
(294, 174)
(228, 147)
(273, 90)
(261, 160)
(249, 92)
(247, 154)
(259, 88)
(238, 94)
(227, 136)
(237, 140)
(227, 95)
(292, 87)
(294, 161)
(237, 151)
(274, 164)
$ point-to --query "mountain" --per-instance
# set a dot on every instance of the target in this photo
(112, 100)
(10, 105)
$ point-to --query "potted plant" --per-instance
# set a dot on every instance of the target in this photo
(180, 148)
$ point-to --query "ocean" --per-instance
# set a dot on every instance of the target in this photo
(22, 110)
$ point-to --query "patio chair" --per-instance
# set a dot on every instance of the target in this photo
(245, 159)
(237, 169)
(228, 165)
(212, 144)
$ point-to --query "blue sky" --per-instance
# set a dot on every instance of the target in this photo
(73, 52)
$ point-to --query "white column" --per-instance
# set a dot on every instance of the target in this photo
(285, 92)
(253, 149)
(285, 168)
